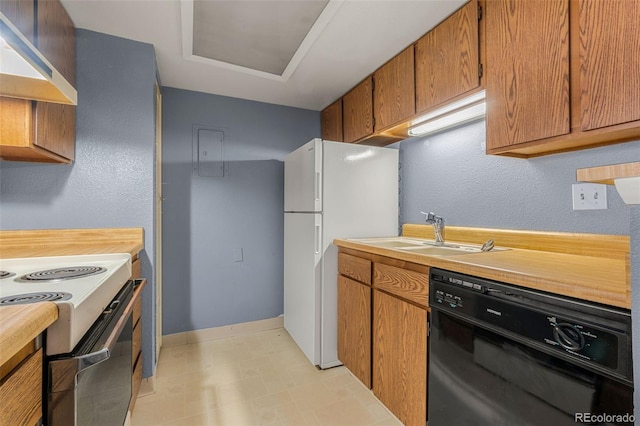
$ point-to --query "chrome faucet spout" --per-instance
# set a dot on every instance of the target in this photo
(438, 226)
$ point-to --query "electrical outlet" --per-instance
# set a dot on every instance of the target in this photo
(589, 196)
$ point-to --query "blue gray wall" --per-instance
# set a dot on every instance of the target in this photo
(207, 221)
(450, 174)
(110, 184)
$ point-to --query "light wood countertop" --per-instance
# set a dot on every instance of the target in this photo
(67, 242)
(594, 278)
(20, 324)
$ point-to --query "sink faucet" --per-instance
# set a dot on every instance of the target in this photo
(438, 226)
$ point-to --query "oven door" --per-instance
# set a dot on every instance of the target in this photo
(478, 377)
(92, 385)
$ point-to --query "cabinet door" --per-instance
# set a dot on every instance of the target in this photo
(22, 390)
(357, 110)
(394, 90)
(21, 13)
(354, 328)
(609, 62)
(400, 357)
(527, 65)
(55, 128)
(332, 122)
(57, 38)
(55, 123)
(447, 59)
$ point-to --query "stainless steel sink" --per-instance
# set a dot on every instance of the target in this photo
(443, 250)
(397, 242)
(421, 246)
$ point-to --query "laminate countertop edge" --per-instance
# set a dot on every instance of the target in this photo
(20, 324)
(9, 251)
(587, 278)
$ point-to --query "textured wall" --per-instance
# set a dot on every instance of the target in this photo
(206, 220)
(111, 182)
(450, 174)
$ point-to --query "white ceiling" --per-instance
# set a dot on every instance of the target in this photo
(350, 43)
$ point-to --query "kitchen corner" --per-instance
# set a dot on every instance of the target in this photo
(494, 321)
(50, 265)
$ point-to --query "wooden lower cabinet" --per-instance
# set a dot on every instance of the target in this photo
(136, 353)
(354, 328)
(399, 357)
(21, 390)
(382, 329)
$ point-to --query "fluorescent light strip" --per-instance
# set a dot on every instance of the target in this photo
(448, 121)
(476, 97)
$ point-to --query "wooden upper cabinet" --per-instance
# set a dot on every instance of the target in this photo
(357, 111)
(394, 90)
(57, 38)
(55, 123)
(527, 71)
(332, 122)
(609, 62)
(21, 13)
(447, 59)
(42, 131)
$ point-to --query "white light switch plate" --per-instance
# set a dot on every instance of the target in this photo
(589, 196)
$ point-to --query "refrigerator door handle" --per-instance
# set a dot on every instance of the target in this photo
(317, 186)
(317, 242)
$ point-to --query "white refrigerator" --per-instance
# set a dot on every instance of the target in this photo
(331, 190)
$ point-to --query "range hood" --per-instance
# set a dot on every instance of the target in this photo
(26, 74)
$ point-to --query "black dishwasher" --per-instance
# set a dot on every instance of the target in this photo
(504, 355)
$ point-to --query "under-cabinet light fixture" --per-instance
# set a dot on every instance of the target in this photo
(25, 73)
(455, 114)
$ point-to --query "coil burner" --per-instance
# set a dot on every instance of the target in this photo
(21, 299)
(6, 274)
(62, 274)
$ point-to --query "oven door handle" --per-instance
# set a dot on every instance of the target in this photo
(89, 360)
(93, 358)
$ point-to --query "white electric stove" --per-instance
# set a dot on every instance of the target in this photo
(81, 286)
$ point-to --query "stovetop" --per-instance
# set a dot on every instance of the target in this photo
(80, 299)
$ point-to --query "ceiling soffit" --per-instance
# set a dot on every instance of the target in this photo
(260, 37)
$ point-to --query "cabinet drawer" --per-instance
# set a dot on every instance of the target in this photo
(21, 390)
(407, 284)
(354, 267)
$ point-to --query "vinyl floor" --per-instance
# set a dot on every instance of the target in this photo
(255, 379)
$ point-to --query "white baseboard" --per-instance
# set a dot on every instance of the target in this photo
(232, 330)
(147, 386)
